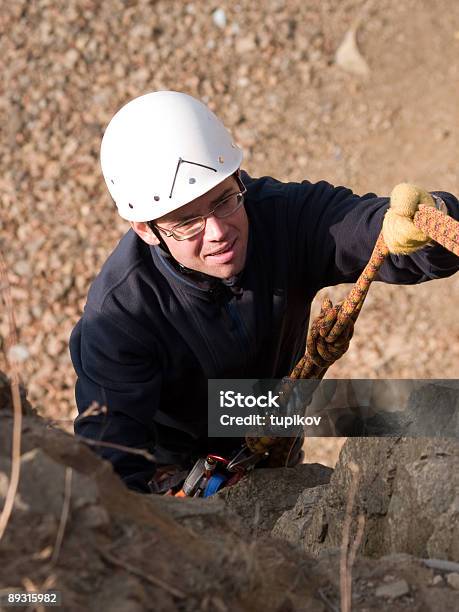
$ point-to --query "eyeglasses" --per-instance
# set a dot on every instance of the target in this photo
(192, 227)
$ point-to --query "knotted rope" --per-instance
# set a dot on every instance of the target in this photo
(332, 330)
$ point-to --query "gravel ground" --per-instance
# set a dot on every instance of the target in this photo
(269, 71)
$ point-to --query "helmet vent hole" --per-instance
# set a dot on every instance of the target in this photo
(192, 181)
(112, 181)
(220, 159)
(130, 205)
(156, 198)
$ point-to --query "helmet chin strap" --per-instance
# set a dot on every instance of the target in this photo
(158, 235)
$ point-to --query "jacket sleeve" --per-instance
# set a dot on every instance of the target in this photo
(123, 376)
(335, 232)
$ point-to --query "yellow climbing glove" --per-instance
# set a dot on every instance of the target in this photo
(401, 236)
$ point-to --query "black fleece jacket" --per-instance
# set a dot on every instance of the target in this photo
(150, 336)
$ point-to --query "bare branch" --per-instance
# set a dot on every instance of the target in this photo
(10, 342)
(64, 515)
(93, 409)
(126, 449)
(353, 550)
(345, 567)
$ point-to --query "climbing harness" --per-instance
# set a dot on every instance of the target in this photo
(214, 472)
(207, 476)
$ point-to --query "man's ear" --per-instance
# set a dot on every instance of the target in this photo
(144, 231)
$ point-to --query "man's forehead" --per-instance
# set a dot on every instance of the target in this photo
(208, 198)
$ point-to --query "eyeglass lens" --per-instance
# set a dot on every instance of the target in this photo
(223, 209)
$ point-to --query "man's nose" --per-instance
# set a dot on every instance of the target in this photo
(215, 228)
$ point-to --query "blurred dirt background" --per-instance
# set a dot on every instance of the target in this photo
(299, 102)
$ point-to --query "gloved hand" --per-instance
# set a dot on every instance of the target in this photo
(400, 234)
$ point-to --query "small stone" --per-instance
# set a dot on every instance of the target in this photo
(436, 580)
(245, 45)
(453, 580)
(37, 311)
(219, 18)
(22, 268)
(71, 58)
(18, 353)
(393, 590)
(349, 57)
(54, 346)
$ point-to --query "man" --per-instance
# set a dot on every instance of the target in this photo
(213, 280)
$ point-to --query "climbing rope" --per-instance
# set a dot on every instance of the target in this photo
(332, 330)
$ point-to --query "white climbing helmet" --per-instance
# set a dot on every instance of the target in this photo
(163, 150)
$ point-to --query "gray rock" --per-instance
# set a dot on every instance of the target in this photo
(433, 410)
(441, 565)
(393, 590)
(219, 18)
(412, 408)
(265, 494)
(293, 524)
(349, 57)
(400, 478)
(453, 580)
(42, 484)
(5, 473)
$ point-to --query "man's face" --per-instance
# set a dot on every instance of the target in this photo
(220, 249)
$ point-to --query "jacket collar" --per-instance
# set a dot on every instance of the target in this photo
(192, 279)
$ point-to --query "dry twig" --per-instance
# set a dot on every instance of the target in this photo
(10, 342)
(31, 587)
(93, 409)
(356, 543)
(64, 515)
(348, 554)
(127, 449)
(91, 442)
